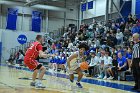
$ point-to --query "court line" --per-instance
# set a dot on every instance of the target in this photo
(85, 80)
(8, 85)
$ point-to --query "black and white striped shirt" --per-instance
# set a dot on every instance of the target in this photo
(136, 50)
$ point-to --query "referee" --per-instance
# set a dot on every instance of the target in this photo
(136, 61)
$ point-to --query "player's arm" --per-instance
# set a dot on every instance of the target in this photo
(70, 58)
(42, 54)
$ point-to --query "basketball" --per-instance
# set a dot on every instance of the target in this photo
(84, 66)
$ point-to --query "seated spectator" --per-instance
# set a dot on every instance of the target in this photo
(122, 62)
(112, 71)
(93, 66)
(129, 58)
(122, 26)
(135, 19)
(10, 61)
(113, 51)
(70, 45)
(20, 58)
(119, 37)
(119, 49)
(105, 64)
(125, 52)
(135, 29)
(130, 19)
(127, 34)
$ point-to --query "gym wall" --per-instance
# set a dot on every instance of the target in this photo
(9, 40)
(50, 19)
(99, 7)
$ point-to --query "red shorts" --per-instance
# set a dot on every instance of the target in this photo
(31, 63)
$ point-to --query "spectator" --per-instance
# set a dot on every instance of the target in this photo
(70, 45)
(122, 26)
(112, 71)
(122, 62)
(113, 51)
(129, 58)
(135, 19)
(93, 66)
(20, 58)
(127, 34)
(10, 61)
(130, 19)
(119, 36)
(107, 63)
(135, 29)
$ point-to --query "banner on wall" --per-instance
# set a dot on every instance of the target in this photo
(90, 5)
(12, 18)
(36, 21)
(83, 7)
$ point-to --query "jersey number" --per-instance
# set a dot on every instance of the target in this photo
(31, 47)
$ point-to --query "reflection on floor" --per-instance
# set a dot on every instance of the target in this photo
(56, 83)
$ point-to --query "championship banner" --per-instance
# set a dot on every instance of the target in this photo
(36, 21)
(83, 7)
(12, 18)
(90, 5)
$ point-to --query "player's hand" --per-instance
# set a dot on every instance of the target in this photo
(53, 55)
(50, 55)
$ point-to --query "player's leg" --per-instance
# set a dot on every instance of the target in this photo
(110, 73)
(71, 77)
(80, 75)
(32, 64)
(42, 72)
(34, 77)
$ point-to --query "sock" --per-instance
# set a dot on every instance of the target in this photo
(39, 81)
(33, 81)
(78, 81)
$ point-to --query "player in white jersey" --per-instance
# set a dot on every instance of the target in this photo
(74, 61)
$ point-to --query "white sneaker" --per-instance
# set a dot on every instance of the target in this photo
(105, 77)
(100, 77)
(110, 78)
(39, 86)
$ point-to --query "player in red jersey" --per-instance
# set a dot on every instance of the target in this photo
(31, 55)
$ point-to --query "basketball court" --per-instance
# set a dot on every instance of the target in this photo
(62, 25)
(56, 83)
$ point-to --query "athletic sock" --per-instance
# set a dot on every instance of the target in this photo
(78, 81)
(39, 81)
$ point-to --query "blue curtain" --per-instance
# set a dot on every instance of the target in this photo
(138, 8)
(126, 10)
(12, 18)
(36, 21)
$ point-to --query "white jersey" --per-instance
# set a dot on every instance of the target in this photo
(75, 63)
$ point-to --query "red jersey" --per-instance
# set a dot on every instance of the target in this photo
(33, 51)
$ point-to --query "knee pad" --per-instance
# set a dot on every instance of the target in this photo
(39, 66)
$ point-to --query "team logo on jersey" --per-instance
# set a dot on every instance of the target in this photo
(22, 39)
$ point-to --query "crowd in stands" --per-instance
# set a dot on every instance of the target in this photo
(16, 58)
(110, 47)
